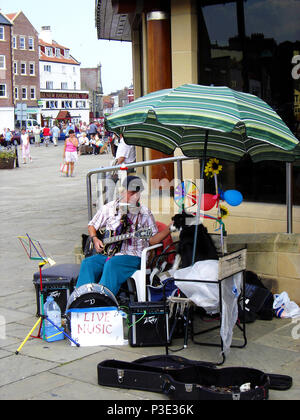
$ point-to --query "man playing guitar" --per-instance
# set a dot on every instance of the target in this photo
(122, 215)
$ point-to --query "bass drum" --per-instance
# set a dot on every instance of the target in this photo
(91, 295)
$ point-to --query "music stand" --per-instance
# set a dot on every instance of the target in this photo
(35, 251)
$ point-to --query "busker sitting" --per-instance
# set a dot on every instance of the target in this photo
(125, 214)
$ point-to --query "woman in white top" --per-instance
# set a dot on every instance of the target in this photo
(25, 143)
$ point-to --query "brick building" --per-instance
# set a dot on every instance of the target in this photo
(25, 66)
(6, 82)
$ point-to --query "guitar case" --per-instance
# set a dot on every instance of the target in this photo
(184, 379)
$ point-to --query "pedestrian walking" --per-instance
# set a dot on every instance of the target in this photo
(25, 144)
(70, 152)
(92, 130)
(8, 137)
(55, 134)
(46, 134)
(37, 135)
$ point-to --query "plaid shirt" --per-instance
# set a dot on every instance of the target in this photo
(109, 217)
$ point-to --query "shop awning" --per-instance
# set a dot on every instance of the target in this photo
(63, 115)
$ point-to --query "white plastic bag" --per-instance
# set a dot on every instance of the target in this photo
(205, 295)
(284, 308)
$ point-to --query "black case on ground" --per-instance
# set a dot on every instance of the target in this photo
(183, 379)
(149, 324)
(58, 281)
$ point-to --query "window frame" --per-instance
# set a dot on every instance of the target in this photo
(32, 65)
(23, 63)
(24, 90)
(32, 90)
(5, 91)
(31, 39)
(21, 37)
(4, 62)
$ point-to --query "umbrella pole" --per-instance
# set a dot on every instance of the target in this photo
(289, 199)
(200, 195)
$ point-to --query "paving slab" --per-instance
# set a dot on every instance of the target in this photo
(15, 368)
(33, 387)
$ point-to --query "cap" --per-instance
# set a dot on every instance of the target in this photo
(133, 183)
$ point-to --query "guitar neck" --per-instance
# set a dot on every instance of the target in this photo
(118, 238)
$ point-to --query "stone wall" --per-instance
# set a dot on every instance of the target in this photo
(275, 257)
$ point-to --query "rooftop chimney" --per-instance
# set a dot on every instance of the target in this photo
(46, 34)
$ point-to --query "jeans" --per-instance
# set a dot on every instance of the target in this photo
(110, 273)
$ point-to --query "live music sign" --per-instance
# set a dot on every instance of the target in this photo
(97, 326)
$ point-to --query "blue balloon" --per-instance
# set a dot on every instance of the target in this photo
(233, 197)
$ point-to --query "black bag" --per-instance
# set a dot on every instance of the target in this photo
(183, 379)
(258, 300)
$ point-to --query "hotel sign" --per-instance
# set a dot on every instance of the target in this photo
(60, 95)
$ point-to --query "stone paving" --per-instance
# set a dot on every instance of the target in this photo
(36, 199)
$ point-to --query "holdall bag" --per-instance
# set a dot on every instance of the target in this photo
(183, 379)
(63, 168)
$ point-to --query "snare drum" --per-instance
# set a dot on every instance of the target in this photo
(91, 295)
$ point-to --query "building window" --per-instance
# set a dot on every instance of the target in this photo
(16, 93)
(80, 104)
(75, 85)
(49, 51)
(14, 42)
(24, 93)
(67, 53)
(31, 69)
(22, 43)
(57, 52)
(1, 33)
(47, 68)
(31, 43)
(2, 91)
(2, 61)
(32, 93)
(49, 85)
(66, 104)
(51, 104)
(64, 85)
(255, 48)
(23, 68)
(15, 67)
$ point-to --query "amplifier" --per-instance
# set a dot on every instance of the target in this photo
(58, 281)
(149, 324)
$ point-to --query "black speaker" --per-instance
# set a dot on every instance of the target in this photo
(149, 324)
(58, 281)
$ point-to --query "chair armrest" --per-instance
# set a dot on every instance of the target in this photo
(144, 255)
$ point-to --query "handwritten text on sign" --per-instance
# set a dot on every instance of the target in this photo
(100, 327)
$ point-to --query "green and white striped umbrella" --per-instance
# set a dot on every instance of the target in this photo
(236, 123)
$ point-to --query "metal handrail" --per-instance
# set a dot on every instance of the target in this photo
(177, 159)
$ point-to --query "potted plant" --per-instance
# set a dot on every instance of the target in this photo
(7, 157)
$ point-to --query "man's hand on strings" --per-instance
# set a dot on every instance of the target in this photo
(98, 244)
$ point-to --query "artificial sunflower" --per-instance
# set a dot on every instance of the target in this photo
(223, 211)
(213, 167)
